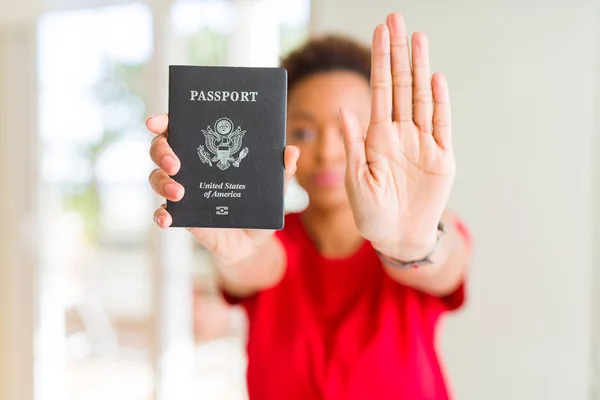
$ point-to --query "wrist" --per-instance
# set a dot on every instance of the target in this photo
(407, 253)
(403, 250)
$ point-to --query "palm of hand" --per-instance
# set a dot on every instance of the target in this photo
(230, 245)
(400, 175)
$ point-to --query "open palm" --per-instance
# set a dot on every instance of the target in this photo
(400, 174)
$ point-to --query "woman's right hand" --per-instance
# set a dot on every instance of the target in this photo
(228, 245)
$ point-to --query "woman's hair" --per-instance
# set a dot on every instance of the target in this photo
(324, 54)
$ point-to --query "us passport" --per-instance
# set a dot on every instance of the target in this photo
(227, 126)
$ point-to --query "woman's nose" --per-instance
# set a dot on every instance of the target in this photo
(331, 145)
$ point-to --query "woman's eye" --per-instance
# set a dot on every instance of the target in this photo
(303, 134)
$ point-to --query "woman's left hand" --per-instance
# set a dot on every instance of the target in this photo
(399, 176)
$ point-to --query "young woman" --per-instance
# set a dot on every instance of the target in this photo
(343, 302)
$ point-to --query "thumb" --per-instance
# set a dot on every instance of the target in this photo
(354, 140)
(290, 158)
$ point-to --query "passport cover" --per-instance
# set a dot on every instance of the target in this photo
(227, 126)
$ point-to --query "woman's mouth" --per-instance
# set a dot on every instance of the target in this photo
(328, 179)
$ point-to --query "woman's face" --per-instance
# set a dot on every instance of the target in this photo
(314, 126)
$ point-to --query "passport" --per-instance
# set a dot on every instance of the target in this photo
(227, 126)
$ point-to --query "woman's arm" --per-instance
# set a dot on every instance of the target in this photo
(450, 260)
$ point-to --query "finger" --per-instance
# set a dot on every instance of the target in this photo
(290, 159)
(354, 140)
(381, 76)
(162, 218)
(442, 132)
(422, 95)
(164, 186)
(158, 124)
(163, 156)
(401, 72)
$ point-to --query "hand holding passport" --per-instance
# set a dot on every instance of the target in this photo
(222, 154)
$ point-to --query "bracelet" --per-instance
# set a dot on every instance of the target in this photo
(393, 262)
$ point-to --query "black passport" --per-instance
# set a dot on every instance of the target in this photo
(227, 126)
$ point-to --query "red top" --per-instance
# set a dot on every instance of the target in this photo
(342, 329)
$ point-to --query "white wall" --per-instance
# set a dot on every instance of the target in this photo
(17, 13)
(596, 219)
(521, 82)
(18, 172)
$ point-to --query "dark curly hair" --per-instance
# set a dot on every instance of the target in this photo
(327, 53)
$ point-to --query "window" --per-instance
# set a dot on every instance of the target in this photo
(95, 305)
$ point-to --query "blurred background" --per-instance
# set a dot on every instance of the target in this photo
(97, 303)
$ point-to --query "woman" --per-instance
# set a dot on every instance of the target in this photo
(344, 301)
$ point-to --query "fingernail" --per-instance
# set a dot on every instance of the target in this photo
(149, 118)
(168, 163)
(172, 190)
(159, 221)
(298, 147)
